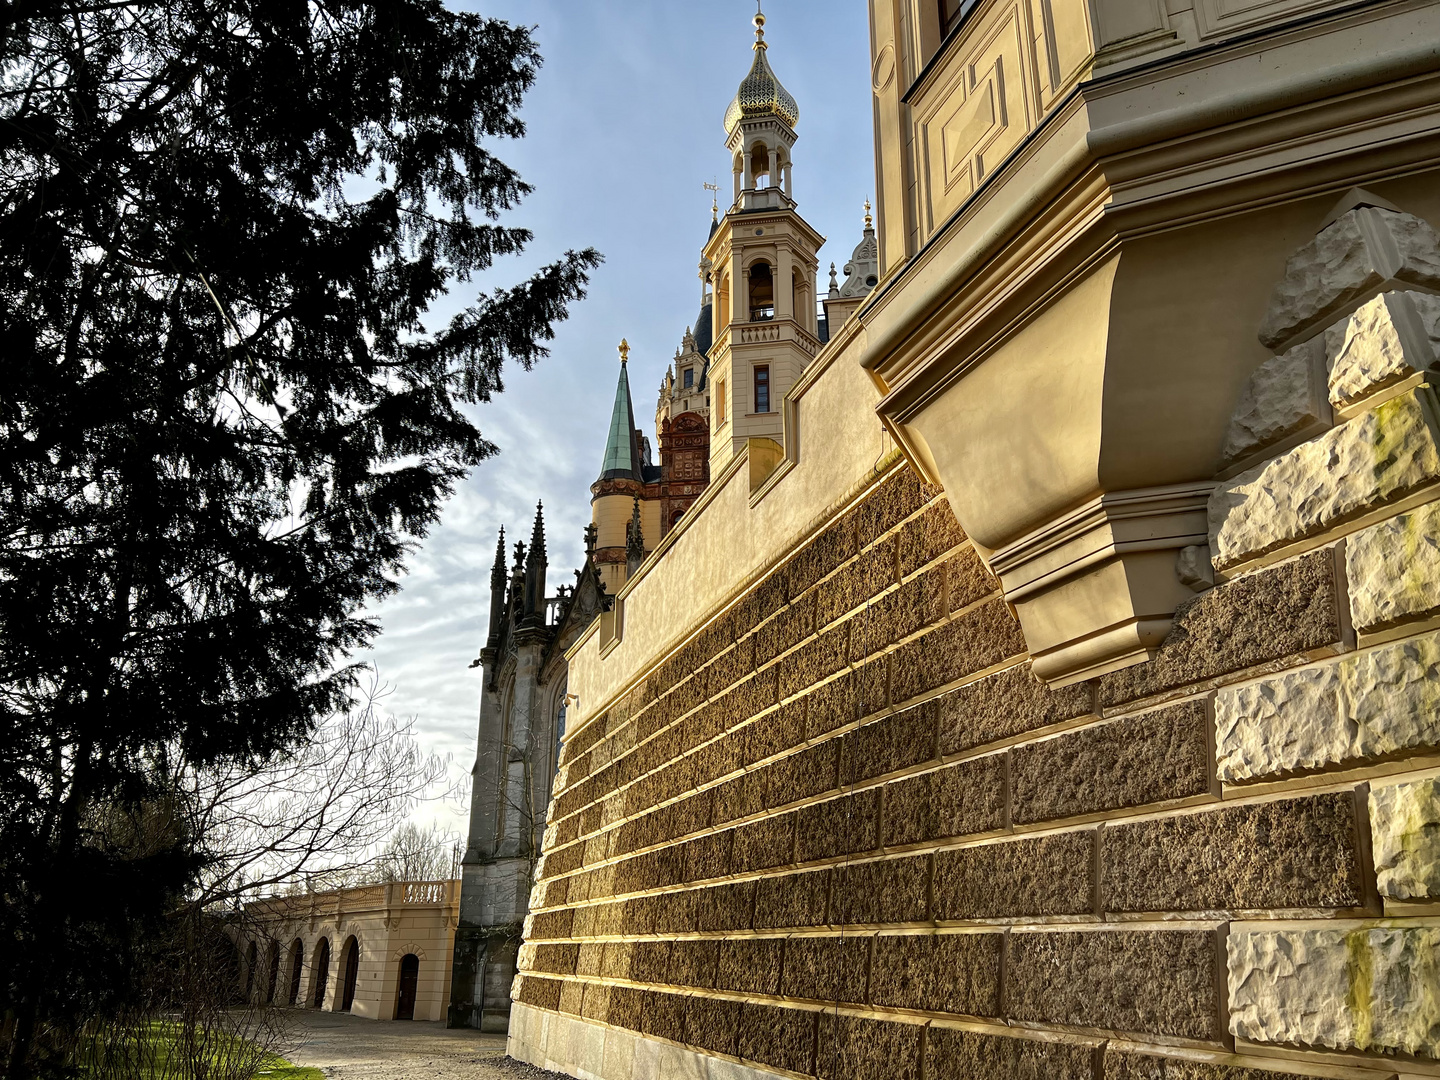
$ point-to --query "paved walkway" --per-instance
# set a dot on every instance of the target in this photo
(347, 1047)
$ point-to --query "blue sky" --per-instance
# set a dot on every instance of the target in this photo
(624, 129)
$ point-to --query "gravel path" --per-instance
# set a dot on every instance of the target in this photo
(348, 1048)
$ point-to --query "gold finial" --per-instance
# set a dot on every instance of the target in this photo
(624, 350)
(869, 222)
(759, 21)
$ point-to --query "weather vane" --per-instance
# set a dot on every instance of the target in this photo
(714, 190)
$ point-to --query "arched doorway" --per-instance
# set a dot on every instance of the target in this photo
(297, 968)
(272, 977)
(409, 980)
(350, 969)
(322, 973)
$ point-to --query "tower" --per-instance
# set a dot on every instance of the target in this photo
(624, 473)
(762, 257)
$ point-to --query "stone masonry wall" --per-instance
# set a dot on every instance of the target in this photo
(844, 832)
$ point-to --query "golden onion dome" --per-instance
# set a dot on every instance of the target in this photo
(760, 93)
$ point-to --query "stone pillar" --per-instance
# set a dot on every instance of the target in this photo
(774, 168)
(789, 179)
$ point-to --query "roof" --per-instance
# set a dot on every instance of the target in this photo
(622, 455)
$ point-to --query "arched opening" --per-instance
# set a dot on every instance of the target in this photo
(759, 166)
(297, 969)
(762, 293)
(272, 976)
(409, 981)
(722, 305)
(321, 978)
(252, 959)
(349, 972)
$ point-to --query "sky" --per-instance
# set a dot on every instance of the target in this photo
(624, 129)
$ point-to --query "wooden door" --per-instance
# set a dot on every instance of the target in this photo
(409, 978)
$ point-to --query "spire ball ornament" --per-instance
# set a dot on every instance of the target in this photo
(760, 92)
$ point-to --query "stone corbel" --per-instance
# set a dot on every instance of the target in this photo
(1096, 589)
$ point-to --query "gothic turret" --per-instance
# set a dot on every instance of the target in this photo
(535, 564)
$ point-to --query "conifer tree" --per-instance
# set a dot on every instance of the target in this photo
(227, 412)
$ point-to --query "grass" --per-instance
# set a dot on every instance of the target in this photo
(227, 1055)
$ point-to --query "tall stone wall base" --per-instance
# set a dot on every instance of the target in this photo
(591, 1051)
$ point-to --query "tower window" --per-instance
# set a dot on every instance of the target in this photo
(720, 403)
(762, 293)
(762, 388)
(689, 378)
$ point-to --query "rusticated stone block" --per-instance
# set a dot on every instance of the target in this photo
(968, 579)
(896, 497)
(541, 993)
(1393, 569)
(638, 915)
(663, 1015)
(732, 666)
(928, 537)
(784, 1038)
(692, 815)
(801, 776)
(775, 732)
(844, 826)
(1285, 396)
(693, 963)
(1362, 251)
(635, 874)
(1364, 705)
(772, 593)
(564, 860)
(1045, 876)
(894, 742)
(1375, 989)
(1371, 461)
(869, 575)
(765, 843)
(709, 856)
(1160, 982)
(786, 630)
(1388, 339)
(739, 797)
(674, 913)
(572, 998)
(650, 962)
(848, 1047)
(816, 660)
(792, 901)
(712, 1024)
(617, 960)
(555, 893)
(725, 907)
(953, 801)
(1281, 612)
(1120, 1065)
(749, 966)
(588, 959)
(953, 973)
(981, 637)
(826, 969)
(897, 614)
(889, 891)
(551, 924)
(1299, 853)
(608, 919)
(970, 1055)
(1142, 759)
(597, 1002)
(1405, 834)
(555, 959)
(1003, 705)
(820, 556)
(669, 866)
(832, 705)
(626, 1005)
(754, 696)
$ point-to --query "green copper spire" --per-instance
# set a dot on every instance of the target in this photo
(622, 454)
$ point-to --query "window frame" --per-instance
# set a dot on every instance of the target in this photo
(762, 380)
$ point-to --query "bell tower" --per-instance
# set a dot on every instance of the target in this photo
(763, 259)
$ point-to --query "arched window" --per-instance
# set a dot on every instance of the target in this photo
(762, 292)
(320, 979)
(349, 972)
(297, 969)
(273, 976)
(760, 166)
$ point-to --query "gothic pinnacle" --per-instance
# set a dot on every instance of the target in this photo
(537, 535)
(497, 572)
